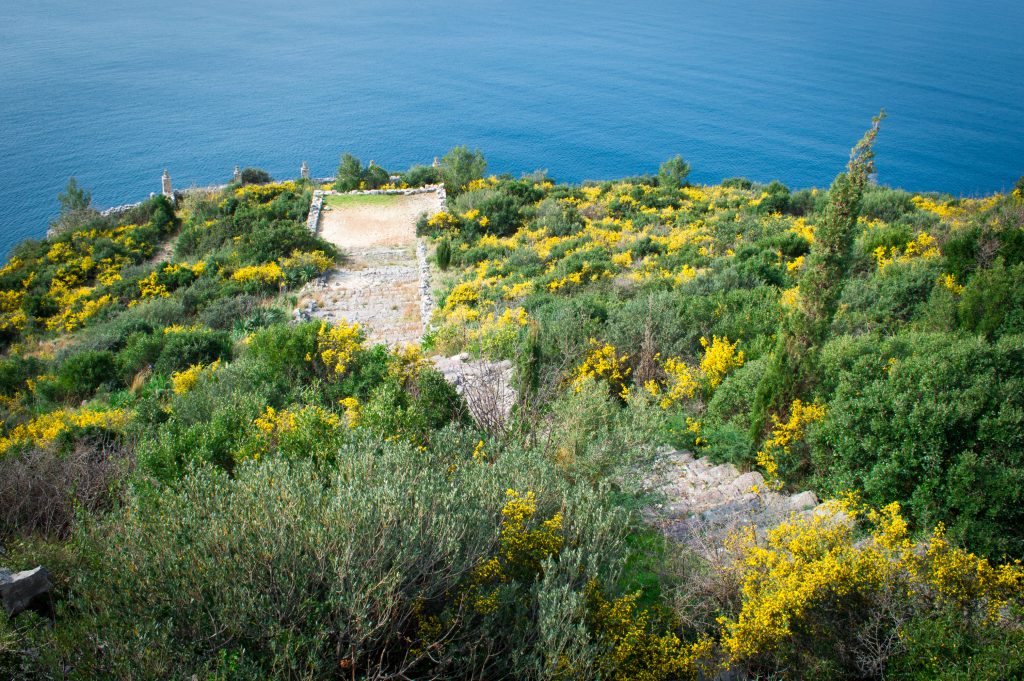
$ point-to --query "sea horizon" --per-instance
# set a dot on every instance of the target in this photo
(765, 93)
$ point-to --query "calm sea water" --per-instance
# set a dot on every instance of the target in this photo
(114, 91)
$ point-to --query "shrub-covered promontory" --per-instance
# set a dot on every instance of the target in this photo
(220, 492)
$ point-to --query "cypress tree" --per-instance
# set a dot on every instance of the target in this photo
(792, 368)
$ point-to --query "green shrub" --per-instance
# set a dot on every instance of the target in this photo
(255, 176)
(419, 175)
(673, 173)
(444, 255)
(183, 349)
(887, 300)
(961, 253)
(725, 424)
(15, 370)
(286, 350)
(888, 205)
(928, 420)
(81, 374)
(140, 351)
(222, 313)
(459, 167)
(371, 576)
(992, 303)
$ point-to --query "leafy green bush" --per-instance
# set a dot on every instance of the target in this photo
(15, 370)
(419, 175)
(401, 550)
(443, 255)
(255, 176)
(993, 301)
(882, 203)
(80, 374)
(928, 420)
(459, 167)
(185, 348)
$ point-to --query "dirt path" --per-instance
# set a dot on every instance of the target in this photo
(380, 284)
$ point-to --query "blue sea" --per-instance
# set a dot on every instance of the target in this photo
(115, 91)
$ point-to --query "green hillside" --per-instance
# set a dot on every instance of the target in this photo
(219, 492)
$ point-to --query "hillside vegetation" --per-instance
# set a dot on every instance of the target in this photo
(219, 493)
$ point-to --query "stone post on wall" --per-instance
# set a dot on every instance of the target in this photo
(237, 177)
(304, 171)
(165, 185)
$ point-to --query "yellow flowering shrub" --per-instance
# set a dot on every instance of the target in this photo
(352, 410)
(267, 273)
(12, 316)
(948, 282)
(813, 569)
(605, 364)
(318, 260)
(681, 383)
(523, 545)
(466, 293)
(720, 357)
(637, 652)
(443, 221)
(922, 247)
(77, 313)
(149, 287)
(45, 429)
(261, 193)
(785, 434)
(183, 381)
(337, 345)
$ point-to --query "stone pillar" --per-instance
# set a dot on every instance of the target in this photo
(237, 177)
(165, 185)
(304, 171)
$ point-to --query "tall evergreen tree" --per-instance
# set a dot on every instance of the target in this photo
(792, 368)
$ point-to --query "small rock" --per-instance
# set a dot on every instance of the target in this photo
(803, 501)
(19, 589)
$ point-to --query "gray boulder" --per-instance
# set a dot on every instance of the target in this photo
(19, 589)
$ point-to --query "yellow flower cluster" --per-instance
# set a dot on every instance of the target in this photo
(603, 363)
(923, 247)
(636, 652)
(466, 293)
(275, 423)
(149, 287)
(785, 434)
(720, 357)
(12, 316)
(74, 316)
(482, 183)
(44, 430)
(261, 193)
(681, 383)
(353, 410)
(808, 565)
(443, 221)
(523, 545)
(948, 282)
(183, 381)
(337, 345)
(318, 260)
(267, 273)
(585, 274)
(474, 215)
